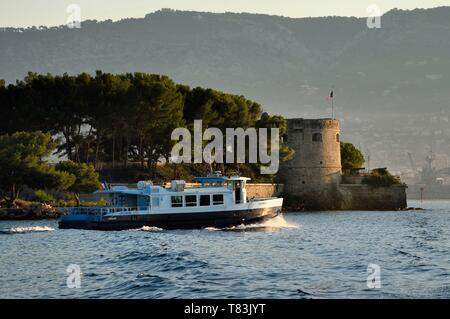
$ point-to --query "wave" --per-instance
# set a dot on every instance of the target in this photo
(149, 228)
(280, 222)
(277, 222)
(23, 230)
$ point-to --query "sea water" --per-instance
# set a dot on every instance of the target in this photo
(299, 255)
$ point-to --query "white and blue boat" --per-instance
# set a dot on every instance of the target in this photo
(217, 201)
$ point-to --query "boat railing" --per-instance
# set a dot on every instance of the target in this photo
(101, 210)
(85, 210)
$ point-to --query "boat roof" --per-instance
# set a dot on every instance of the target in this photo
(147, 191)
(238, 178)
(219, 178)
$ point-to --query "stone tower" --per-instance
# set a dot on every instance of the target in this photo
(314, 173)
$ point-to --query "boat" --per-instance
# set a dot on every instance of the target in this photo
(216, 201)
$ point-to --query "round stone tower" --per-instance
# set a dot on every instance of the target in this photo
(314, 173)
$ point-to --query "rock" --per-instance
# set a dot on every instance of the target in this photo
(3, 213)
(35, 211)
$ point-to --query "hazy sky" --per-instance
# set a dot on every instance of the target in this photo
(18, 13)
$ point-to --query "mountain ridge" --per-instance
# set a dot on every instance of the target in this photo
(397, 73)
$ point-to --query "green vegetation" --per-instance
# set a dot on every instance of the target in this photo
(86, 178)
(276, 121)
(381, 177)
(42, 196)
(114, 120)
(21, 163)
(116, 126)
(351, 157)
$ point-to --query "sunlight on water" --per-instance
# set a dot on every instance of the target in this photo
(275, 223)
(280, 222)
(150, 228)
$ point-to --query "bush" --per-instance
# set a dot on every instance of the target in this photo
(351, 157)
(43, 197)
(100, 202)
(73, 203)
(381, 177)
(22, 203)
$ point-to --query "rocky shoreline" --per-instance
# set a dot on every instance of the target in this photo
(32, 212)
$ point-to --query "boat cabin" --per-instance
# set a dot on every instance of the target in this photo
(214, 201)
(213, 192)
(236, 184)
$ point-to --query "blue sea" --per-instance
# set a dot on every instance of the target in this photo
(300, 255)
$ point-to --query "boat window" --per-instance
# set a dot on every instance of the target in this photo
(155, 201)
(205, 200)
(237, 193)
(191, 200)
(218, 199)
(177, 201)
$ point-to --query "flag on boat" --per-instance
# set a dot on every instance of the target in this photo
(104, 185)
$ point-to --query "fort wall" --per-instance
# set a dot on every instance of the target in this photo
(364, 197)
(263, 190)
(314, 174)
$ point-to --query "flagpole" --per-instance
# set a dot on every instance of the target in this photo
(332, 107)
(332, 102)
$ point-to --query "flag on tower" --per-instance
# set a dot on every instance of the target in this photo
(331, 96)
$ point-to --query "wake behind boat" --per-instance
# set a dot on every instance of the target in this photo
(219, 201)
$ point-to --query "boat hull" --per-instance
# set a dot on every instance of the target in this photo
(217, 219)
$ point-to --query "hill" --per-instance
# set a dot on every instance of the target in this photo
(391, 84)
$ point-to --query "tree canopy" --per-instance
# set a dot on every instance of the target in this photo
(22, 163)
(116, 118)
(86, 178)
(110, 120)
(351, 157)
(276, 121)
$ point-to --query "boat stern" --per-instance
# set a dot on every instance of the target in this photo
(80, 218)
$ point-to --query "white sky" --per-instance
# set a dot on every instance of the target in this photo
(22, 13)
